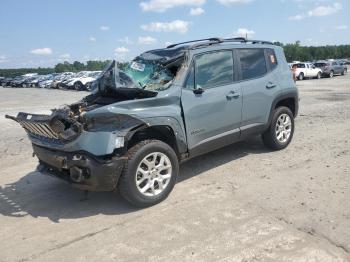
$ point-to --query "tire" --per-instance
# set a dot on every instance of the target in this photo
(148, 150)
(345, 71)
(301, 76)
(319, 75)
(331, 74)
(78, 86)
(270, 137)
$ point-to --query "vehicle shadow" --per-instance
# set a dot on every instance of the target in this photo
(43, 196)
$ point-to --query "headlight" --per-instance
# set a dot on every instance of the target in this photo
(119, 142)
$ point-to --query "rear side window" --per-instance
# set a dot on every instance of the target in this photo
(214, 69)
(271, 58)
(253, 63)
(320, 64)
(299, 65)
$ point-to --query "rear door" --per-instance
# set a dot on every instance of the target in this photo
(337, 67)
(212, 102)
(259, 82)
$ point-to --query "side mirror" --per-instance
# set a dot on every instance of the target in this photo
(198, 90)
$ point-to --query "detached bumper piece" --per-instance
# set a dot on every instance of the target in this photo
(82, 170)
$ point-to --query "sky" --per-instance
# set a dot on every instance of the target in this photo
(43, 33)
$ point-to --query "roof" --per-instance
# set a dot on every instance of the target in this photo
(176, 51)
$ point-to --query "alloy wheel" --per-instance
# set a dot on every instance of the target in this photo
(283, 128)
(153, 174)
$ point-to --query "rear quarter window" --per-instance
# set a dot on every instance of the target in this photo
(271, 58)
(253, 64)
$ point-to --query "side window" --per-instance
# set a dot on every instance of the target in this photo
(214, 69)
(253, 63)
(271, 58)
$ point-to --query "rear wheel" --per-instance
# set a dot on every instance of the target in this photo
(150, 173)
(319, 75)
(345, 71)
(301, 76)
(331, 74)
(281, 129)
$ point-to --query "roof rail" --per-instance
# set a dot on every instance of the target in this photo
(217, 40)
(244, 40)
(212, 39)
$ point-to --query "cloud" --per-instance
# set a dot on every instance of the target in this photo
(121, 50)
(163, 5)
(42, 51)
(3, 59)
(65, 56)
(296, 17)
(125, 40)
(92, 39)
(325, 10)
(318, 11)
(244, 32)
(341, 27)
(231, 2)
(104, 28)
(147, 40)
(196, 11)
(177, 26)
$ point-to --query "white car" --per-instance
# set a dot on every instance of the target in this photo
(307, 70)
(80, 81)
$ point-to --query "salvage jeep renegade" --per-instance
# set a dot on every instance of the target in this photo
(164, 107)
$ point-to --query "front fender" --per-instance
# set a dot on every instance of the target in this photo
(176, 127)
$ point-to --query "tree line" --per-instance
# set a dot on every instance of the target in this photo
(296, 52)
(293, 52)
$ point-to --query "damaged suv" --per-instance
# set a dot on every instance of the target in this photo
(164, 107)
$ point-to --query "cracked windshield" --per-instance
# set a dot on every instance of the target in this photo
(149, 75)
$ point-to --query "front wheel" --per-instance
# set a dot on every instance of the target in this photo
(150, 173)
(301, 76)
(319, 75)
(78, 86)
(281, 129)
(331, 74)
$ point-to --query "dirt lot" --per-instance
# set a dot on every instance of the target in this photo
(240, 203)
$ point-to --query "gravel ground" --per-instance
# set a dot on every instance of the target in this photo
(240, 203)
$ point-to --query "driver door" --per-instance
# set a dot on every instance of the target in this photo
(212, 102)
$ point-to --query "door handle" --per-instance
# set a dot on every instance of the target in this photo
(232, 95)
(270, 85)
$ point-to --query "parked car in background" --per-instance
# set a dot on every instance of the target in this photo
(46, 82)
(18, 81)
(331, 68)
(307, 70)
(30, 81)
(5, 82)
(80, 80)
(61, 77)
(34, 82)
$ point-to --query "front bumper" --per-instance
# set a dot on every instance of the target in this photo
(81, 169)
